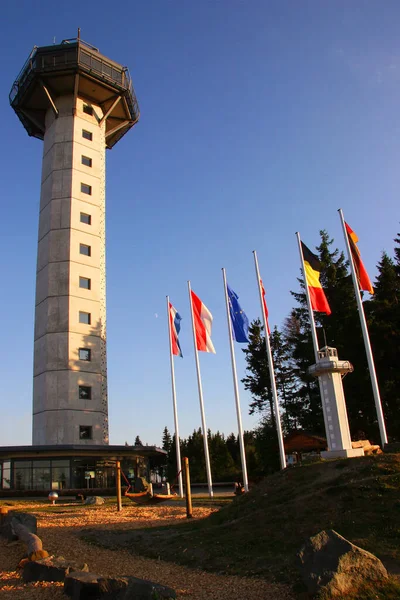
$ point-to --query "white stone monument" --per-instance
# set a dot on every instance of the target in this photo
(79, 103)
(330, 370)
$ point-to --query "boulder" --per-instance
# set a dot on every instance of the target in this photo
(331, 562)
(94, 500)
(7, 529)
(133, 588)
(85, 586)
(50, 569)
(79, 585)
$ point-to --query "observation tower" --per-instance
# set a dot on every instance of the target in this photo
(79, 103)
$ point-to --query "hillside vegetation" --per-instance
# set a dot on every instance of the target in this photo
(259, 533)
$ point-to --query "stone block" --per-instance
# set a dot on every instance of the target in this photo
(331, 563)
(26, 519)
(84, 586)
(51, 569)
(95, 500)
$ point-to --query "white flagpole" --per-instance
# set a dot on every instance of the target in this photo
(177, 440)
(236, 390)
(271, 370)
(203, 416)
(367, 344)
(310, 310)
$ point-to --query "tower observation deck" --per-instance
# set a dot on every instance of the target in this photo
(79, 103)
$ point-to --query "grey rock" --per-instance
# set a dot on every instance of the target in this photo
(133, 588)
(26, 519)
(85, 586)
(94, 500)
(80, 586)
(331, 562)
(51, 569)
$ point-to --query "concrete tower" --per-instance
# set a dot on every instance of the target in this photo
(330, 370)
(79, 103)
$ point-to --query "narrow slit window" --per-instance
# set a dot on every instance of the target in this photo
(85, 218)
(88, 135)
(86, 161)
(84, 283)
(85, 432)
(86, 189)
(85, 354)
(84, 318)
(88, 109)
(84, 249)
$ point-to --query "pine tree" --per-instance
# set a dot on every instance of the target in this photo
(341, 330)
(166, 440)
(384, 329)
(258, 381)
(285, 380)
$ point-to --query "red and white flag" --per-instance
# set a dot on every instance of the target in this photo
(202, 323)
(265, 306)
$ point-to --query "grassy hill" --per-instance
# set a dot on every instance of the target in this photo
(259, 533)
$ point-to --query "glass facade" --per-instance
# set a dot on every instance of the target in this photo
(68, 473)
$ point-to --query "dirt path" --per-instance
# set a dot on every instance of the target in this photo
(60, 534)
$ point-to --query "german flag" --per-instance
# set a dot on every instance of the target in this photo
(312, 270)
(364, 281)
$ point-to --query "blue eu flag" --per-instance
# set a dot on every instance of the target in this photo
(239, 320)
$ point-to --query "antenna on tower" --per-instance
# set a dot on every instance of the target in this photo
(54, 39)
(79, 33)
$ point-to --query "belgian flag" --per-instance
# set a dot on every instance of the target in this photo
(364, 281)
(312, 271)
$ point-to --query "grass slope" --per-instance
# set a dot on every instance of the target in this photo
(259, 533)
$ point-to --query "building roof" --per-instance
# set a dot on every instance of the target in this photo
(304, 441)
(109, 451)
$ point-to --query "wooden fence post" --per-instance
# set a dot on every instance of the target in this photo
(118, 485)
(188, 492)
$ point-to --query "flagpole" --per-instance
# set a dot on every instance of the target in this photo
(310, 310)
(271, 370)
(236, 390)
(367, 343)
(203, 417)
(177, 439)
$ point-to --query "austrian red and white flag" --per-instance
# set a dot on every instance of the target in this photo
(202, 324)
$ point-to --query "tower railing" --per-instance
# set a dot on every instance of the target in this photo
(74, 55)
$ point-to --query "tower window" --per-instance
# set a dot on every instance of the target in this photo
(85, 218)
(85, 392)
(86, 161)
(86, 189)
(85, 432)
(84, 249)
(85, 354)
(84, 283)
(84, 318)
(88, 109)
(88, 135)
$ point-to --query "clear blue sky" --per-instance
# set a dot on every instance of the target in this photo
(258, 119)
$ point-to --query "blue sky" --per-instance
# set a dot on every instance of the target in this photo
(258, 119)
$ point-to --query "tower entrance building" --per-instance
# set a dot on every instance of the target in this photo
(79, 103)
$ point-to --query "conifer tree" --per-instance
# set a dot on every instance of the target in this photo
(384, 327)
(166, 440)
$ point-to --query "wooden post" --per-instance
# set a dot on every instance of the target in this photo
(118, 485)
(188, 492)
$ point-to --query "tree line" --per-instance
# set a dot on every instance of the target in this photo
(293, 353)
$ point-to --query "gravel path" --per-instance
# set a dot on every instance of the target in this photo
(60, 535)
